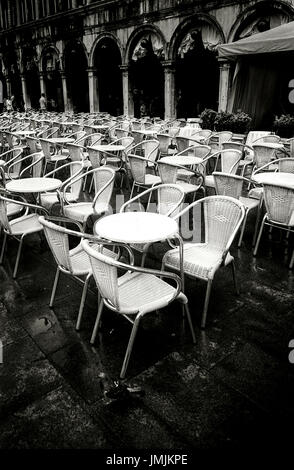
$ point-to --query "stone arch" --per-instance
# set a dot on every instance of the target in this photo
(257, 11)
(138, 34)
(189, 24)
(50, 70)
(193, 50)
(100, 38)
(106, 60)
(75, 64)
(144, 54)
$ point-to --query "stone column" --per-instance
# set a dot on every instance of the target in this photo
(169, 89)
(64, 90)
(93, 90)
(26, 98)
(128, 104)
(224, 68)
(8, 85)
(42, 83)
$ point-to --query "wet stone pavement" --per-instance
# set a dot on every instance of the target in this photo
(233, 389)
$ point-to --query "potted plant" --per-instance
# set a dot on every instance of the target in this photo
(223, 122)
(241, 123)
(284, 125)
(207, 119)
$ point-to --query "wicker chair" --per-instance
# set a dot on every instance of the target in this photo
(141, 179)
(134, 294)
(229, 160)
(221, 218)
(103, 178)
(12, 160)
(227, 184)
(247, 155)
(168, 173)
(48, 200)
(279, 203)
(74, 262)
(51, 157)
(18, 228)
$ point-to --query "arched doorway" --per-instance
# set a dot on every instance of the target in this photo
(146, 76)
(13, 75)
(76, 65)
(31, 73)
(197, 71)
(107, 60)
(52, 79)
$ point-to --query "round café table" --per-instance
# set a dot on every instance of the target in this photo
(60, 140)
(108, 148)
(136, 227)
(33, 185)
(24, 133)
(271, 177)
(182, 160)
(139, 228)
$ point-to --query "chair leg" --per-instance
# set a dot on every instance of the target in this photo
(54, 287)
(259, 236)
(96, 326)
(292, 261)
(257, 222)
(133, 187)
(242, 229)
(186, 306)
(235, 277)
(83, 299)
(3, 247)
(130, 347)
(17, 257)
(205, 308)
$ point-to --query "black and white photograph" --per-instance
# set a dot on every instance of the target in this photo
(146, 229)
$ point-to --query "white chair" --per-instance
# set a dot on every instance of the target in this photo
(227, 184)
(134, 294)
(168, 173)
(103, 178)
(141, 179)
(220, 219)
(72, 183)
(18, 228)
(229, 160)
(279, 203)
(74, 261)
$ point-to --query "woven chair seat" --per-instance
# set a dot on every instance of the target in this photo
(184, 174)
(49, 199)
(82, 210)
(255, 193)
(59, 157)
(186, 187)
(25, 225)
(139, 292)
(209, 181)
(200, 260)
(151, 179)
(249, 202)
(13, 209)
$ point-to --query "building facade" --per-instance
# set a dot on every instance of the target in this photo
(136, 57)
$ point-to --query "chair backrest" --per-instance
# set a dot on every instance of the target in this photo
(286, 165)
(52, 132)
(227, 184)
(167, 172)
(31, 143)
(182, 143)
(4, 221)
(120, 133)
(47, 148)
(94, 138)
(138, 136)
(272, 138)
(75, 152)
(105, 274)
(164, 141)
(35, 166)
(150, 149)
(13, 159)
(220, 219)
(95, 157)
(279, 203)
(263, 154)
(229, 160)
(103, 183)
(76, 169)
(57, 238)
(224, 136)
(138, 167)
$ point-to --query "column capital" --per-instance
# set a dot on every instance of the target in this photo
(169, 66)
(124, 68)
(224, 63)
(62, 73)
(91, 70)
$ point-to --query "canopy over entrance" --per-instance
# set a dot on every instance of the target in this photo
(263, 74)
(279, 39)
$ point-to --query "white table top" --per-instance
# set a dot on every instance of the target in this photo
(280, 177)
(33, 185)
(60, 140)
(273, 145)
(2, 162)
(99, 126)
(108, 148)
(147, 132)
(182, 160)
(136, 227)
(24, 133)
